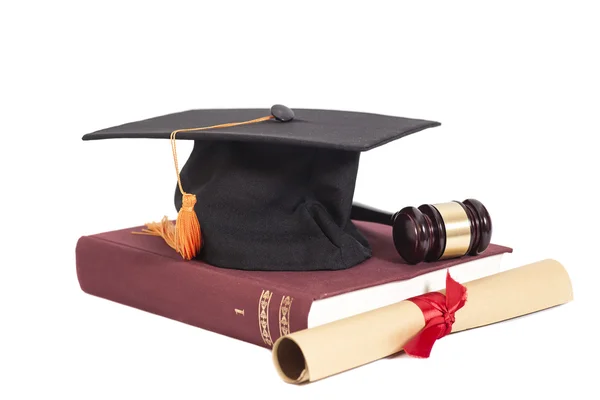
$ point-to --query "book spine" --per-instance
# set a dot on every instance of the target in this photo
(189, 292)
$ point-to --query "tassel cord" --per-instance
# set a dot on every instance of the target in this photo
(185, 235)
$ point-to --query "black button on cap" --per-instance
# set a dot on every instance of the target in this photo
(282, 113)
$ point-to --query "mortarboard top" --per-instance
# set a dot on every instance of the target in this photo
(274, 193)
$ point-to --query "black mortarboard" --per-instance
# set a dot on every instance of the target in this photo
(273, 188)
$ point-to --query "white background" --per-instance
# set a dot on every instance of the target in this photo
(515, 86)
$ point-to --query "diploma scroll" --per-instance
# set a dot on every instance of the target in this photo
(325, 350)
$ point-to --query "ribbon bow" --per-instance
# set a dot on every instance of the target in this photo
(438, 311)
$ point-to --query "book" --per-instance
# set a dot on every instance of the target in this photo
(259, 306)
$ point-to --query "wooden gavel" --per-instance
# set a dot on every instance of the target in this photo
(433, 232)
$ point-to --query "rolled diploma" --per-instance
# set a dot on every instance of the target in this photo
(325, 350)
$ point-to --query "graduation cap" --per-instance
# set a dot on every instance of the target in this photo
(267, 189)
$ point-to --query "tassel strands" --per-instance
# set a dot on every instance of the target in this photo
(188, 236)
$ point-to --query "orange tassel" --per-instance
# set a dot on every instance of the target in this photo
(188, 236)
(185, 235)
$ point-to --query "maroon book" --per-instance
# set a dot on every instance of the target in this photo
(254, 306)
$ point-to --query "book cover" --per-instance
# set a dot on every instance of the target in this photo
(254, 306)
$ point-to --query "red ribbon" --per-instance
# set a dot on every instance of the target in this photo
(438, 310)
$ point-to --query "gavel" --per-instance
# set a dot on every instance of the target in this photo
(434, 232)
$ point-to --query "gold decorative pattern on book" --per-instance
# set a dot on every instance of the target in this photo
(239, 312)
(263, 316)
(284, 315)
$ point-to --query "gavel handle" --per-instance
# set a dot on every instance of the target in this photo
(361, 212)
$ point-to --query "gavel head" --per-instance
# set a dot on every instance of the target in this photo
(440, 231)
